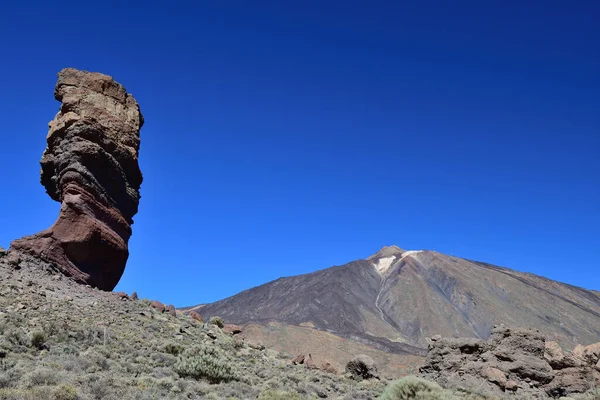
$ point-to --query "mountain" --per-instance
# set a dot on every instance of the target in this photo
(392, 301)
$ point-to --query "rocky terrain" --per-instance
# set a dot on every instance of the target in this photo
(64, 341)
(61, 340)
(394, 300)
(90, 166)
(514, 363)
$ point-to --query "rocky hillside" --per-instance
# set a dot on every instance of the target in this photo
(393, 300)
(60, 340)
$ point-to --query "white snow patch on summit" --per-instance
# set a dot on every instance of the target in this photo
(383, 264)
(410, 253)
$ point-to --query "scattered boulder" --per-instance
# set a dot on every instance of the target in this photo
(122, 295)
(90, 166)
(232, 329)
(134, 296)
(157, 305)
(589, 354)
(299, 359)
(171, 310)
(516, 360)
(196, 316)
(309, 363)
(362, 367)
(557, 358)
(327, 367)
(494, 375)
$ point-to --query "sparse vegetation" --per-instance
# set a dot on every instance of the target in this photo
(278, 395)
(205, 363)
(38, 339)
(218, 321)
(174, 349)
(62, 341)
(415, 388)
(53, 346)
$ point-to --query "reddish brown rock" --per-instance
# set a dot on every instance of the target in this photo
(494, 375)
(299, 359)
(134, 296)
(309, 363)
(90, 166)
(157, 305)
(196, 316)
(122, 295)
(327, 367)
(171, 310)
(232, 329)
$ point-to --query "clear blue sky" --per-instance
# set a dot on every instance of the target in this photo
(283, 137)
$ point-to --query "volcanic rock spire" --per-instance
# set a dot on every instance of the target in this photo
(91, 167)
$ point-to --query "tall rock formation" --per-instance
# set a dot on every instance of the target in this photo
(91, 167)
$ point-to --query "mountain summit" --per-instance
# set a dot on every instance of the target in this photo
(395, 299)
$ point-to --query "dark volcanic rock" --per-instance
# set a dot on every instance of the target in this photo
(90, 166)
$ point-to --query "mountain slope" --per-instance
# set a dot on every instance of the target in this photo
(395, 299)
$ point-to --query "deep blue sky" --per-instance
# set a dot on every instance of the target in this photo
(283, 137)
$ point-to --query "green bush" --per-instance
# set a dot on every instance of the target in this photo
(218, 321)
(38, 339)
(413, 388)
(204, 363)
(65, 392)
(174, 349)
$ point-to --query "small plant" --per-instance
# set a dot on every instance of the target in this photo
(174, 349)
(362, 367)
(38, 339)
(65, 392)
(204, 363)
(218, 321)
(413, 388)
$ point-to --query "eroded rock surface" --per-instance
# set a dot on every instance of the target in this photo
(90, 166)
(514, 362)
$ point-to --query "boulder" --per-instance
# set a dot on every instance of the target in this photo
(569, 381)
(232, 329)
(90, 166)
(122, 295)
(557, 358)
(158, 306)
(171, 310)
(299, 359)
(494, 375)
(309, 363)
(327, 367)
(196, 316)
